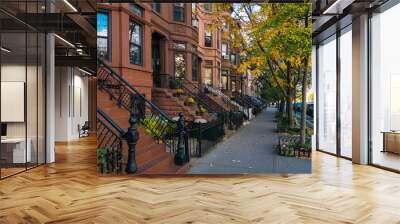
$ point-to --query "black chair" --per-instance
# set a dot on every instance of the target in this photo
(84, 130)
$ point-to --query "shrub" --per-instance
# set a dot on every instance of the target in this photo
(156, 126)
(287, 149)
(174, 84)
(109, 160)
(290, 144)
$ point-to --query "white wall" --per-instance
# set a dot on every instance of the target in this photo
(71, 103)
(17, 73)
(33, 126)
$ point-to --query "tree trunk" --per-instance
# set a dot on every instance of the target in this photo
(289, 97)
(289, 103)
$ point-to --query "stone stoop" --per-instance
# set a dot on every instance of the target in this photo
(217, 102)
(151, 156)
(173, 105)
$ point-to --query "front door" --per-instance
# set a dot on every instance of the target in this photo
(156, 59)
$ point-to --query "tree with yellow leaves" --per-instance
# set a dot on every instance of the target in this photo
(275, 40)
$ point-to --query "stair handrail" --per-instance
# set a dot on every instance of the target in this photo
(109, 134)
(184, 82)
(137, 92)
(224, 97)
(110, 121)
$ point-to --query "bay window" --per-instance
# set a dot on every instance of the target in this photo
(233, 59)
(179, 12)
(224, 50)
(103, 35)
(207, 35)
(135, 43)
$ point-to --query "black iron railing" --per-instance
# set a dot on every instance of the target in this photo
(229, 103)
(157, 123)
(193, 90)
(184, 140)
(109, 134)
(109, 144)
(198, 137)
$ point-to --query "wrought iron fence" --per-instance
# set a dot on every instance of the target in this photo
(109, 144)
(157, 123)
(198, 138)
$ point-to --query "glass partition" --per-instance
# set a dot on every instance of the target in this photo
(346, 92)
(327, 95)
(14, 153)
(385, 89)
(22, 101)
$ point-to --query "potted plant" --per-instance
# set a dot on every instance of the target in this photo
(202, 110)
(179, 91)
(189, 101)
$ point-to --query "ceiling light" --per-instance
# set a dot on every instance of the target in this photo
(333, 6)
(84, 71)
(70, 5)
(64, 40)
(337, 7)
(5, 50)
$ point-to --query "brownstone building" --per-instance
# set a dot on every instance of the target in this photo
(169, 52)
(145, 42)
(148, 42)
(209, 44)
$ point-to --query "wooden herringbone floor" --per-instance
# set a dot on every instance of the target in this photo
(70, 191)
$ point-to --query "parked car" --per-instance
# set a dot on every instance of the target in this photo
(255, 103)
(297, 107)
(310, 109)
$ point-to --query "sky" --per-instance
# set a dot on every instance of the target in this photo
(102, 24)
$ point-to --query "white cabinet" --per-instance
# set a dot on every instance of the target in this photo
(17, 147)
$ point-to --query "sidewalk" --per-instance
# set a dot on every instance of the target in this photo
(250, 150)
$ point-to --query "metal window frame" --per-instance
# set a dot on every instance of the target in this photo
(339, 32)
(44, 76)
(381, 9)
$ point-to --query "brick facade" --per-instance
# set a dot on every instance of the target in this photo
(160, 32)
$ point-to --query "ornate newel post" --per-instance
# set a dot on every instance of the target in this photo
(180, 157)
(132, 137)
